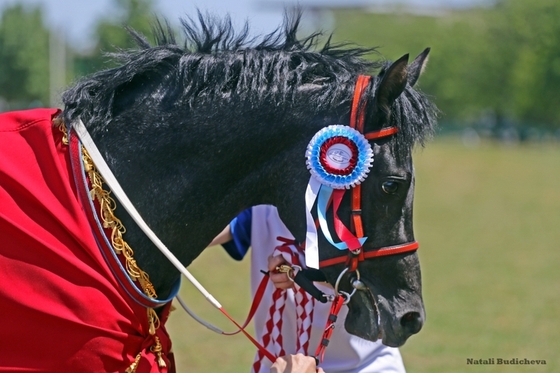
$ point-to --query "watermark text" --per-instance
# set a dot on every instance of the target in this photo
(504, 361)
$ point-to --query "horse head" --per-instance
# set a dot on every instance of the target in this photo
(196, 134)
(388, 304)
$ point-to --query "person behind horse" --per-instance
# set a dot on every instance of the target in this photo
(259, 228)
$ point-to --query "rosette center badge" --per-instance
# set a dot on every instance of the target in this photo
(339, 157)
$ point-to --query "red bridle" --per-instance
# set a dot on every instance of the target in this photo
(358, 255)
(304, 278)
(357, 118)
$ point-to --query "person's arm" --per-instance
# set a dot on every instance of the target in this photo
(236, 236)
(298, 363)
(223, 237)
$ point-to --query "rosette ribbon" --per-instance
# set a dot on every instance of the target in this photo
(338, 158)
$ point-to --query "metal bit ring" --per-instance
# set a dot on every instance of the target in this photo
(338, 282)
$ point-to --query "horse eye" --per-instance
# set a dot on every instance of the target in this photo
(390, 187)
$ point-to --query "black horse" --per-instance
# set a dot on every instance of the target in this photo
(196, 134)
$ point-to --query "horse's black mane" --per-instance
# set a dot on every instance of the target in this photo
(215, 61)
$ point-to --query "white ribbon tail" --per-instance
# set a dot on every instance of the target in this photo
(311, 241)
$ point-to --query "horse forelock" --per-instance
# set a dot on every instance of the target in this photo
(414, 114)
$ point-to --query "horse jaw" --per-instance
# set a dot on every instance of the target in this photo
(363, 316)
(392, 315)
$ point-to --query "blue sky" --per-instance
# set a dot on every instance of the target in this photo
(76, 18)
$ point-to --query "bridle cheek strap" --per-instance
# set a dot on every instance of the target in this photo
(357, 118)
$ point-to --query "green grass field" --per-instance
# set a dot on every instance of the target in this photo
(488, 223)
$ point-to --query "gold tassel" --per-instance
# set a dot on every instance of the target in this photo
(156, 349)
(160, 361)
(134, 365)
(153, 321)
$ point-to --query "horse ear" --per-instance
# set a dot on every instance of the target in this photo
(416, 68)
(392, 84)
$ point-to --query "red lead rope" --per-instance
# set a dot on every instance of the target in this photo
(263, 350)
(329, 327)
(241, 328)
(336, 306)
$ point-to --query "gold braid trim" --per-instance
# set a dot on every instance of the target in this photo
(156, 349)
(134, 365)
(107, 209)
(59, 123)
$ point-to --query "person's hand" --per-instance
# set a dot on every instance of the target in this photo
(295, 364)
(279, 279)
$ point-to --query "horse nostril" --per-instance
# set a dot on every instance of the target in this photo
(412, 322)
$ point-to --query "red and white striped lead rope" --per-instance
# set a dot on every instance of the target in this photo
(304, 303)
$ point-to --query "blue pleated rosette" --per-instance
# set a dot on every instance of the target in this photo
(338, 156)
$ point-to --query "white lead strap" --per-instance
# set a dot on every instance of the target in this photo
(118, 192)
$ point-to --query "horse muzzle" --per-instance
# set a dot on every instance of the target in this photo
(372, 315)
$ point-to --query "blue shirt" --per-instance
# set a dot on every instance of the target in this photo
(240, 228)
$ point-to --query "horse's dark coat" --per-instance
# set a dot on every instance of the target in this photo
(198, 133)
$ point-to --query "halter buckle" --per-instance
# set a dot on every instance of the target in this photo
(289, 270)
(356, 252)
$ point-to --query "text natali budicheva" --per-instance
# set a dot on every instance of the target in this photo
(501, 361)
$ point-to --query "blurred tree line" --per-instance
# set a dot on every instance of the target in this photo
(26, 57)
(499, 63)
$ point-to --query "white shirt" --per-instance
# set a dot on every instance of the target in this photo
(345, 353)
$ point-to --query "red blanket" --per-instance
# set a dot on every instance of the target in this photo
(61, 307)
